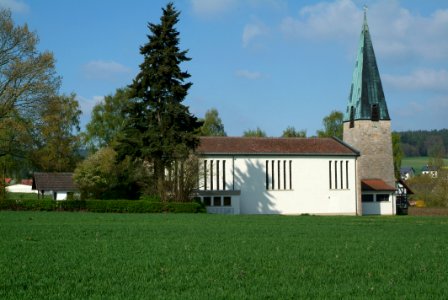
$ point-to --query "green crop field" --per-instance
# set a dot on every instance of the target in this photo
(417, 163)
(87, 255)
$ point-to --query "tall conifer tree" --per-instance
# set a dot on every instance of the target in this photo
(160, 129)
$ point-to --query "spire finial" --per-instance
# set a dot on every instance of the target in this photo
(365, 7)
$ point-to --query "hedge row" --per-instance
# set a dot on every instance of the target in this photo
(116, 206)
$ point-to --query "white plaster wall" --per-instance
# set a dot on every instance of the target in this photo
(20, 188)
(61, 196)
(310, 191)
(206, 177)
(380, 208)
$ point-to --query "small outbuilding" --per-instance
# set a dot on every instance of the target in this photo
(20, 188)
(59, 184)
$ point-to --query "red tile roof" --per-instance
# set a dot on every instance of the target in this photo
(252, 145)
(27, 181)
(375, 185)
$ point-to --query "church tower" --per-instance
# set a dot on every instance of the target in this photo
(367, 122)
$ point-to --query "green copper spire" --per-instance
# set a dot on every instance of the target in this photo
(366, 100)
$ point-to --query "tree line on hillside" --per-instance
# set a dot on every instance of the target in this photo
(424, 142)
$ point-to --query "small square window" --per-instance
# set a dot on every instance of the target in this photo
(216, 201)
(207, 201)
(227, 201)
(382, 198)
(367, 198)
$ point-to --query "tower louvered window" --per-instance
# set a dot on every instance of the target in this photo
(375, 112)
(352, 117)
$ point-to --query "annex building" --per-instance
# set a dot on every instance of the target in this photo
(310, 175)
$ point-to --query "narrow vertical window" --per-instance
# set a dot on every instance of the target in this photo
(267, 174)
(278, 175)
(352, 117)
(284, 174)
(211, 175)
(217, 175)
(290, 174)
(273, 174)
(335, 174)
(224, 175)
(342, 175)
(205, 174)
(346, 174)
(375, 112)
(329, 171)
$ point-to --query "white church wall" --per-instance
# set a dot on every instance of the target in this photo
(379, 207)
(301, 184)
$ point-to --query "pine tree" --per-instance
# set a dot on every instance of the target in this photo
(160, 129)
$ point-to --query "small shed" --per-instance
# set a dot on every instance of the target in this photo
(59, 184)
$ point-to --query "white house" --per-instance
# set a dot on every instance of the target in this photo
(278, 176)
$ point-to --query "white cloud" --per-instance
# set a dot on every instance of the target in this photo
(396, 31)
(14, 5)
(212, 7)
(249, 74)
(104, 70)
(253, 31)
(324, 21)
(425, 79)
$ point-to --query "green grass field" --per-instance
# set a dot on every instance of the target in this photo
(87, 255)
(417, 163)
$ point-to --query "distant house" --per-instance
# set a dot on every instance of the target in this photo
(60, 185)
(19, 188)
(407, 173)
(429, 170)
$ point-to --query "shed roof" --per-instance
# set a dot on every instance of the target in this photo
(375, 185)
(276, 146)
(43, 181)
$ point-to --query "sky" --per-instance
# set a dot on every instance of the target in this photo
(261, 63)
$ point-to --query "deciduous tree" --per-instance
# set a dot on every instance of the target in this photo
(107, 120)
(212, 124)
(292, 132)
(397, 153)
(58, 143)
(333, 125)
(27, 76)
(254, 133)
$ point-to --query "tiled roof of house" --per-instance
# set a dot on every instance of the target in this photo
(27, 181)
(375, 185)
(284, 146)
(43, 181)
(407, 170)
(428, 168)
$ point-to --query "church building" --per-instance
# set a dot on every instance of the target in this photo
(324, 176)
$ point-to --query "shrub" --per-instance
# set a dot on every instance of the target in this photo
(114, 206)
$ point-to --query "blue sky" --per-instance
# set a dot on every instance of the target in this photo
(261, 63)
